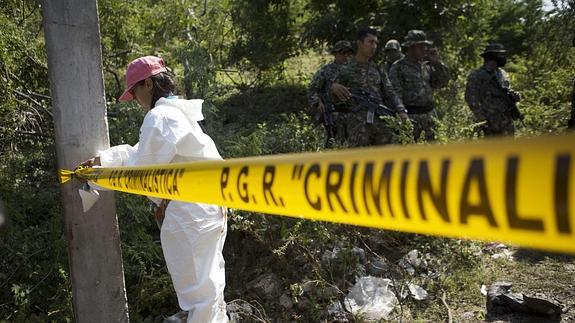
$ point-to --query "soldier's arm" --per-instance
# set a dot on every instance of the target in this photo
(342, 77)
(473, 96)
(439, 73)
(314, 87)
(395, 80)
(339, 86)
(388, 91)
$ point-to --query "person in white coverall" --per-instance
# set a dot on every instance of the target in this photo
(192, 234)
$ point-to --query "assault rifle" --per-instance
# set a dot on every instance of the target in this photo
(326, 118)
(510, 100)
(367, 100)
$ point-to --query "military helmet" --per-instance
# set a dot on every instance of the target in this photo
(392, 45)
(415, 37)
(341, 45)
(494, 48)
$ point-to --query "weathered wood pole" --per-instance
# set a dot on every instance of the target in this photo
(73, 46)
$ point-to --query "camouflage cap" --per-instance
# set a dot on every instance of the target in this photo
(494, 48)
(392, 45)
(341, 45)
(415, 37)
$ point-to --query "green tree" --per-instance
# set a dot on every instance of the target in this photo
(263, 37)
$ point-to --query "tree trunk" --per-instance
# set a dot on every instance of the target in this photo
(74, 54)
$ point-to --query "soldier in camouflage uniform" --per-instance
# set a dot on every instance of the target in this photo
(414, 78)
(486, 95)
(360, 74)
(393, 53)
(320, 88)
(571, 123)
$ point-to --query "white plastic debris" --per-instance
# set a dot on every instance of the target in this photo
(404, 291)
(412, 260)
(417, 292)
(329, 256)
(409, 268)
(504, 254)
(89, 194)
(89, 197)
(498, 251)
(372, 298)
(484, 289)
(334, 308)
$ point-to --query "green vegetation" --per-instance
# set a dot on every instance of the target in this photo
(251, 61)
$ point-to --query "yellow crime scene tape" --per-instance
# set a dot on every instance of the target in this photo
(518, 191)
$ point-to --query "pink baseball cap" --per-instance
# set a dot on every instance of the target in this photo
(140, 69)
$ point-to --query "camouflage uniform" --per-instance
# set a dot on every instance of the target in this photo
(321, 81)
(571, 122)
(367, 77)
(386, 67)
(414, 83)
(320, 87)
(487, 100)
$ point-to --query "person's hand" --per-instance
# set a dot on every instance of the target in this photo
(320, 107)
(433, 55)
(403, 115)
(478, 116)
(91, 162)
(516, 96)
(341, 92)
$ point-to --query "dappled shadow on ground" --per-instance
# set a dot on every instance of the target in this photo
(246, 259)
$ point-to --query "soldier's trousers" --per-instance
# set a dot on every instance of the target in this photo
(361, 134)
(424, 125)
(499, 124)
(339, 130)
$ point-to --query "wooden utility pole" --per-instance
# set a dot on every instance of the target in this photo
(73, 46)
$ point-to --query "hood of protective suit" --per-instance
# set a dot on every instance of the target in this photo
(192, 109)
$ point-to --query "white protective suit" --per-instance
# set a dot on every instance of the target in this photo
(192, 234)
